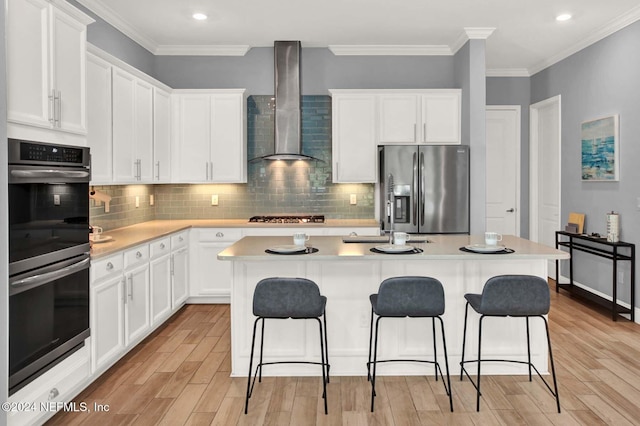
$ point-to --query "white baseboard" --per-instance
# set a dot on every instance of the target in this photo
(564, 279)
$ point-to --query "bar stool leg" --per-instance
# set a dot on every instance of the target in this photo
(528, 348)
(261, 351)
(253, 344)
(464, 339)
(435, 350)
(446, 363)
(375, 358)
(326, 347)
(553, 368)
(370, 344)
(479, 362)
(324, 377)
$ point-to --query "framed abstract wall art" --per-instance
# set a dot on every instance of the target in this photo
(600, 149)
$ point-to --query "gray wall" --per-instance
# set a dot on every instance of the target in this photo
(4, 225)
(469, 74)
(111, 40)
(516, 91)
(601, 80)
(321, 70)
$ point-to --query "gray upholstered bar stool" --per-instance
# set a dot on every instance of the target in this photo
(413, 297)
(510, 296)
(283, 298)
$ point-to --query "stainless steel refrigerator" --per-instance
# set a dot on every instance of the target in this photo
(424, 188)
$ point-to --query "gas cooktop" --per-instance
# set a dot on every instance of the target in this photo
(288, 219)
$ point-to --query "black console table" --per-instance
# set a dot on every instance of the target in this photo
(602, 248)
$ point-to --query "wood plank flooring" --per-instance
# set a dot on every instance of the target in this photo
(180, 376)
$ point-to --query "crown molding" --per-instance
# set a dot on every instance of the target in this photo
(104, 12)
(203, 50)
(610, 28)
(471, 33)
(508, 72)
(390, 50)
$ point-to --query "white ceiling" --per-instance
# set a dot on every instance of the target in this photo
(527, 38)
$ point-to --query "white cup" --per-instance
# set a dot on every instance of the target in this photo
(401, 238)
(97, 232)
(299, 238)
(492, 238)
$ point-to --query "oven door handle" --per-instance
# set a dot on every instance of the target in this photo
(39, 279)
(50, 173)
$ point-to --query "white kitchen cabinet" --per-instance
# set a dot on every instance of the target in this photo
(132, 106)
(421, 116)
(211, 278)
(160, 279)
(99, 119)
(179, 269)
(209, 138)
(136, 297)
(354, 137)
(161, 136)
(107, 312)
(46, 65)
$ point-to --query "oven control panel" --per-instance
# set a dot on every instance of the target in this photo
(38, 153)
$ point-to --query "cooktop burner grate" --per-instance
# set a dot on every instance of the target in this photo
(288, 219)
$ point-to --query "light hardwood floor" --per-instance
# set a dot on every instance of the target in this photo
(180, 375)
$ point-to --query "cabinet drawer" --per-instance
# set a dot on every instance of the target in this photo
(160, 247)
(136, 256)
(179, 240)
(220, 234)
(107, 267)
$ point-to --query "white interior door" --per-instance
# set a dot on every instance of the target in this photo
(545, 172)
(503, 169)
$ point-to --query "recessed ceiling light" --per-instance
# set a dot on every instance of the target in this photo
(563, 17)
(199, 16)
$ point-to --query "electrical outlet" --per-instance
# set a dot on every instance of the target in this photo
(353, 200)
(214, 200)
(56, 199)
(137, 201)
(151, 199)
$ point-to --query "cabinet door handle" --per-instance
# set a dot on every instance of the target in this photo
(59, 108)
(219, 235)
(180, 238)
(172, 264)
(53, 394)
(124, 290)
(415, 132)
(162, 246)
(109, 266)
(158, 170)
(337, 170)
(206, 166)
(424, 132)
(211, 173)
(51, 107)
(511, 210)
(138, 255)
(130, 290)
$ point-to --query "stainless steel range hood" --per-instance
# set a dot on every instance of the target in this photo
(288, 135)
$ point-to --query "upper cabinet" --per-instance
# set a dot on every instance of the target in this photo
(208, 136)
(363, 119)
(128, 122)
(422, 116)
(46, 44)
(353, 137)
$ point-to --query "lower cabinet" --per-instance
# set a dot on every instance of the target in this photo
(133, 292)
(211, 279)
(180, 275)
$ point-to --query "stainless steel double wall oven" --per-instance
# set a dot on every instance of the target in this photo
(48, 256)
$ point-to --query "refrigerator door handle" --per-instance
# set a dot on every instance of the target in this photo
(414, 190)
(422, 199)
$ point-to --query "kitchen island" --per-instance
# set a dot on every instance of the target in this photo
(347, 273)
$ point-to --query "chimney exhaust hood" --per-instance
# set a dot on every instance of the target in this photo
(288, 135)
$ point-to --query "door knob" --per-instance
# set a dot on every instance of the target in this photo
(511, 210)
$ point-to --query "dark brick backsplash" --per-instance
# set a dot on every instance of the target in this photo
(300, 187)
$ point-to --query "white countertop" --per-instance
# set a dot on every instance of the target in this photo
(129, 236)
(333, 248)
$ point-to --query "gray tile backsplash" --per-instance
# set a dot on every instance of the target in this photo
(300, 187)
